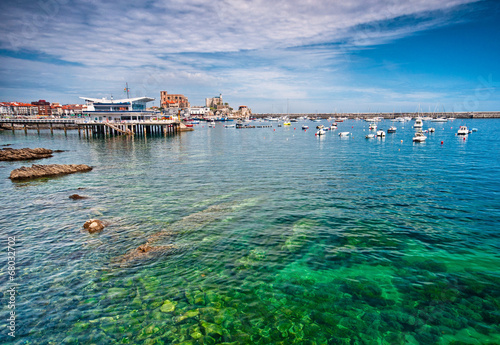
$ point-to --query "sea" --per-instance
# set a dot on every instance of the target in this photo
(256, 236)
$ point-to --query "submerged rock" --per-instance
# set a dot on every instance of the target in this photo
(36, 170)
(168, 306)
(146, 251)
(77, 197)
(9, 154)
(94, 225)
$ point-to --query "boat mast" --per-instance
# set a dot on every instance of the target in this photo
(127, 89)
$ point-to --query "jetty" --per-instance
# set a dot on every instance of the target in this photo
(99, 128)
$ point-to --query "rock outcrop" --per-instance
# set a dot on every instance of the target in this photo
(8, 154)
(94, 225)
(36, 170)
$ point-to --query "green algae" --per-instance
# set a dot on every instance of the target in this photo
(168, 306)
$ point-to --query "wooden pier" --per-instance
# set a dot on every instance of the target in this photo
(145, 128)
(101, 129)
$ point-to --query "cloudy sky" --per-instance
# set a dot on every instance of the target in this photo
(307, 55)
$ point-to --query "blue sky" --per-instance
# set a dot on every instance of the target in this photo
(315, 56)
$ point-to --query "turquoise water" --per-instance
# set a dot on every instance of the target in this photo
(271, 236)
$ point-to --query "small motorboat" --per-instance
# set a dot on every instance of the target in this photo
(287, 123)
(418, 123)
(344, 134)
(373, 126)
(463, 130)
(189, 125)
(392, 129)
(229, 126)
(370, 136)
(474, 129)
(320, 127)
(381, 134)
(320, 132)
(431, 129)
(305, 127)
(419, 137)
(211, 124)
(332, 127)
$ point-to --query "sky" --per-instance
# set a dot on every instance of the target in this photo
(281, 56)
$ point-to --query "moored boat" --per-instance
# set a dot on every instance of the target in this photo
(380, 134)
(463, 130)
(419, 137)
(392, 129)
(344, 134)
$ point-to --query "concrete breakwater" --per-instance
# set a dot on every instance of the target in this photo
(459, 115)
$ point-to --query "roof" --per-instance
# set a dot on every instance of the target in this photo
(124, 100)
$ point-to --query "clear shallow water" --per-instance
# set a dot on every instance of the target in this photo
(280, 237)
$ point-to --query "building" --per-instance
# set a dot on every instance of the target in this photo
(214, 102)
(56, 109)
(18, 109)
(102, 109)
(199, 111)
(44, 108)
(173, 101)
(72, 109)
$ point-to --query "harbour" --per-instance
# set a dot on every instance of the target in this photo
(328, 237)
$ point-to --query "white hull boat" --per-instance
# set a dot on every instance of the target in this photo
(419, 137)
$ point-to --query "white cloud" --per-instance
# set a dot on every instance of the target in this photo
(177, 43)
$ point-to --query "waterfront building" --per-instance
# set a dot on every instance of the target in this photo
(173, 100)
(43, 106)
(214, 102)
(199, 111)
(18, 109)
(126, 109)
(73, 109)
(56, 109)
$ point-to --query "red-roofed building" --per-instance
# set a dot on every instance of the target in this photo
(17, 108)
(43, 107)
(173, 101)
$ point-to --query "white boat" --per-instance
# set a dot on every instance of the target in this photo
(305, 127)
(432, 129)
(332, 127)
(463, 130)
(344, 134)
(418, 123)
(439, 119)
(419, 137)
(320, 132)
(373, 126)
(392, 129)
(320, 127)
(474, 129)
(370, 136)
(380, 134)
(211, 124)
(229, 126)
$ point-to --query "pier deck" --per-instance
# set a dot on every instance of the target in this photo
(101, 128)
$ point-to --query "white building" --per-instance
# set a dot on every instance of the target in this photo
(203, 111)
(102, 109)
